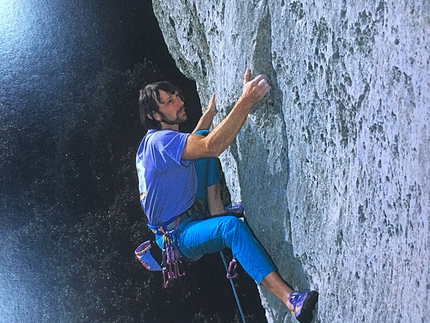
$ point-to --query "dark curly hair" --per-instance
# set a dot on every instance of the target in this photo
(148, 98)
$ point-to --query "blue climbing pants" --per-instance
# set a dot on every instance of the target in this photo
(199, 237)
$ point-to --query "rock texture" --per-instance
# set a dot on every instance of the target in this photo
(333, 166)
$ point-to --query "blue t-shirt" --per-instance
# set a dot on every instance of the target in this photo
(169, 184)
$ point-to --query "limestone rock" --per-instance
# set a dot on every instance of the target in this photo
(333, 166)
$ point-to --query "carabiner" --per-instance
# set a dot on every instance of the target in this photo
(231, 271)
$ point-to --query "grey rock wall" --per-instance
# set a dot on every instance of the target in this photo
(333, 166)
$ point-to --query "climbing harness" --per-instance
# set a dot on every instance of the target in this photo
(171, 265)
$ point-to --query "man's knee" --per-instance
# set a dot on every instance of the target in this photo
(233, 224)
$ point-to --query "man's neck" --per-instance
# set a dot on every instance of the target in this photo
(165, 126)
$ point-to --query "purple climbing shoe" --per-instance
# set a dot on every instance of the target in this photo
(304, 304)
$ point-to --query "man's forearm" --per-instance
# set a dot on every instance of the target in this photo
(224, 133)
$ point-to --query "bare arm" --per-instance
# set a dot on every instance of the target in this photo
(205, 121)
(224, 133)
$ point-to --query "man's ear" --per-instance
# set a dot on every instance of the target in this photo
(154, 116)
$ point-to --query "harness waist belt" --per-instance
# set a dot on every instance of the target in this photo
(174, 222)
(181, 218)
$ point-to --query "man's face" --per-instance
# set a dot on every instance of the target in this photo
(171, 109)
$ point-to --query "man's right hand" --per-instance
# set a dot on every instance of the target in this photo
(254, 90)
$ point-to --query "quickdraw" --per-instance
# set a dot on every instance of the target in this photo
(172, 266)
(231, 270)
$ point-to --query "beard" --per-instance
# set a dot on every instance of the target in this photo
(178, 120)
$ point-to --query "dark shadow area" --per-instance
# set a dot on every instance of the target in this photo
(69, 212)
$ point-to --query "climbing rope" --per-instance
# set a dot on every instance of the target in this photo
(230, 276)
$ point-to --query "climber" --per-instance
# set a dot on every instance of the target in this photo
(168, 186)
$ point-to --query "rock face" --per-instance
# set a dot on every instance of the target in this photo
(333, 166)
